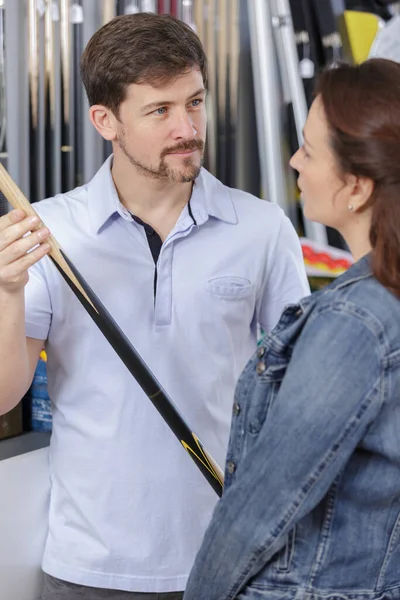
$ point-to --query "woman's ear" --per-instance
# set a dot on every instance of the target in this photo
(361, 190)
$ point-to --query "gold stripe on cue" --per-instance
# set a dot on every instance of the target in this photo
(206, 460)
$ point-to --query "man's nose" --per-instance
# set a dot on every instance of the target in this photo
(184, 128)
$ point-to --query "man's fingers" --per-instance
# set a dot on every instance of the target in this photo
(11, 273)
(16, 231)
(14, 216)
(23, 245)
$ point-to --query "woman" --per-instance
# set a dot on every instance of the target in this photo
(311, 507)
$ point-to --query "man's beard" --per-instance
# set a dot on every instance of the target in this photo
(163, 172)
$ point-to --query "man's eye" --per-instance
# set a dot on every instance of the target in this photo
(197, 102)
(160, 111)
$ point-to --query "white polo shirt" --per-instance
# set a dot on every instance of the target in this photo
(128, 506)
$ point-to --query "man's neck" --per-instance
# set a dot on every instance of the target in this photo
(155, 202)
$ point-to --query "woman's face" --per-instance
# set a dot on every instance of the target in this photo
(325, 196)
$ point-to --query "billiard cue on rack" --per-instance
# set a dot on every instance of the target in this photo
(122, 346)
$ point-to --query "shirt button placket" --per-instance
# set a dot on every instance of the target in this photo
(163, 306)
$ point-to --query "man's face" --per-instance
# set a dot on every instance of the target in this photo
(162, 130)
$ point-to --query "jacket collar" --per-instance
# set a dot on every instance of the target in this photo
(360, 270)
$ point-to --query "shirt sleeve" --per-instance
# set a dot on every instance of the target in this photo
(285, 281)
(331, 393)
(38, 309)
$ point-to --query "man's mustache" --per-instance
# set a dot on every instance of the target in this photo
(183, 147)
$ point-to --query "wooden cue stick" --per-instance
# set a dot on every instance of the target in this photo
(121, 345)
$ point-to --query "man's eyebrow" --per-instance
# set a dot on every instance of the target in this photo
(155, 105)
(201, 91)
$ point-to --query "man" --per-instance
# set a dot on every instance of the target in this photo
(188, 268)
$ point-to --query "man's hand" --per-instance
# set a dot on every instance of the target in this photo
(16, 254)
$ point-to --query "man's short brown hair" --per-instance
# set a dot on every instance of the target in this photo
(138, 48)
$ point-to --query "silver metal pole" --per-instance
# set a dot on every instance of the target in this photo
(282, 21)
(4, 207)
(17, 92)
(53, 100)
(148, 6)
(222, 83)
(212, 96)
(92, 141)
(3, 122)
(187, 11)
(77, 19)
(233, 91)
(284, 25)
(67, 138)
(268, 104)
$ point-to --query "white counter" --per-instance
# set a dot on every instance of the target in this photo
(24, 494)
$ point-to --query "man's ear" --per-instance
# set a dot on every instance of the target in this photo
(104, 121)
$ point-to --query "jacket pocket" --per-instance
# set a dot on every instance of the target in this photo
(230, 287)
(390, 554)
(285, 556)
(265, 391)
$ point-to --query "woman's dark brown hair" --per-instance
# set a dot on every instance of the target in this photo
(362, 108)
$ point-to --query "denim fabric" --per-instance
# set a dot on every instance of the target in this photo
(311, 506)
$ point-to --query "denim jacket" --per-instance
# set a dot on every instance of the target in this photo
(311, 505)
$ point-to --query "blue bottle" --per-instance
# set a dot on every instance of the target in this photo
(41, 403)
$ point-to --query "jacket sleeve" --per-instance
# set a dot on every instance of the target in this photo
(331, 392)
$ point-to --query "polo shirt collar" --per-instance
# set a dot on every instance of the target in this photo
(210, 198)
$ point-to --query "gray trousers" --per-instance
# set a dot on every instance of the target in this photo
(55, 589)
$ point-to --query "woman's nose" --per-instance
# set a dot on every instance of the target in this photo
(295, 162)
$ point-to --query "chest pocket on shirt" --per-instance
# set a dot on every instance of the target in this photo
(230, 287)
(265, 390)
